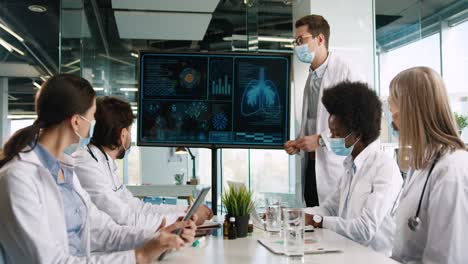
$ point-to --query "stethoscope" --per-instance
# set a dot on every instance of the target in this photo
(115, 189)
(414, 221)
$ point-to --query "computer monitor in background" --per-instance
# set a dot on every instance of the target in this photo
(210, 99)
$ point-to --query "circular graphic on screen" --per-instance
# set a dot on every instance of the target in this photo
(220, 121)
(189, 78)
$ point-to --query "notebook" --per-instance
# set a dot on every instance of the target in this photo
(310, 247)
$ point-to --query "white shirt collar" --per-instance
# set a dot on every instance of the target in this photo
(320, 71)
(361, 158)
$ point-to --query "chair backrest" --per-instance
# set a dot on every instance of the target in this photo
(2, 255)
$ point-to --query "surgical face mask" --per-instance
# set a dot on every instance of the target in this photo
(126, 151)
(303, 53)
(84, 141)
(395, 132)
(389, 117)
(338, 146)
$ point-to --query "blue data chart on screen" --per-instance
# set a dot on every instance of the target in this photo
(226, 100)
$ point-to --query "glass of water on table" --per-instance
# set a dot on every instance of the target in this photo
(273, 215)
(293, 231)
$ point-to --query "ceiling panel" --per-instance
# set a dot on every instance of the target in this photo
(161, 25)
(18, 70)
(204, 6)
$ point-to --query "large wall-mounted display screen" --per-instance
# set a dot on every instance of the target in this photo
(208, 99)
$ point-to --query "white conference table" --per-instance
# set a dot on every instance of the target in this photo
(247, 250)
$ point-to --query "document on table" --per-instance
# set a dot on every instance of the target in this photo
(310, 246)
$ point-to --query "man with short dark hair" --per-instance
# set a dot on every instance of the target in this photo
(97, 171)
(320, 170)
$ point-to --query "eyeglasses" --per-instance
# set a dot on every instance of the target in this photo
(301, 39)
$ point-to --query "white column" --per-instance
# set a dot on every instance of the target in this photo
(4, 122)
(352, 37)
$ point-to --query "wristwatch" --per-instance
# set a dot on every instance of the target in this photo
(317, 219)
(320, 141)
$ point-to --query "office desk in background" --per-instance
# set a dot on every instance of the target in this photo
(247, 250)
(177, 191)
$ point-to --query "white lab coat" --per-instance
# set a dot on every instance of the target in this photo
(441, 237)
(373, 191)
(328, 167)
(100, 182)
(32, 223)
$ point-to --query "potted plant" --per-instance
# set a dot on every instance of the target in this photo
(462, 122)
(238, 203)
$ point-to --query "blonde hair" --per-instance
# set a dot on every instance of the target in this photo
(426, 120)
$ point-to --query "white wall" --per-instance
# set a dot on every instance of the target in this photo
(158, 165)
(352, 32)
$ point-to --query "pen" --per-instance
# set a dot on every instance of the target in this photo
(197, 242)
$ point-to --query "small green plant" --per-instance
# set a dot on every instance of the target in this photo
(462, 121)
(238, 201)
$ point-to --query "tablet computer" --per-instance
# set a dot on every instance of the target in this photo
(199, 201)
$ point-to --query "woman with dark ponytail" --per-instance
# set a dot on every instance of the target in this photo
(46, 217)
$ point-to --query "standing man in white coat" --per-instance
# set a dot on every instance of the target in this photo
(360, 206)
(321, 169)
(97, 171)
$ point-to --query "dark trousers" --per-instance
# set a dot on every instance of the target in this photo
(310, 184)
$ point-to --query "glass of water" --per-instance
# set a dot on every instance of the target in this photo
(273, 215)
(293, 231)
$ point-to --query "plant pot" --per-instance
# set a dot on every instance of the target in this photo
(242, 223)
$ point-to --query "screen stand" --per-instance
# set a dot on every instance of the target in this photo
(214, 180)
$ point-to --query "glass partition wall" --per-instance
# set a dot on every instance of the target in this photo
(100, 41)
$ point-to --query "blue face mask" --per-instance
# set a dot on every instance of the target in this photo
(338, 146)
(84, 141)
(303, 53)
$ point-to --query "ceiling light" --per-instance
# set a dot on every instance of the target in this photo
(71, 63)
(6, 45)
(98, 88)
(20, 52)
(260, 38)
(126, 82)
(38, 86)
(10, 47)
(22, 116)
(131, 89)
(275, 39)
(7, 29)
(37, 8)
(133, 54)
(12, 98)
